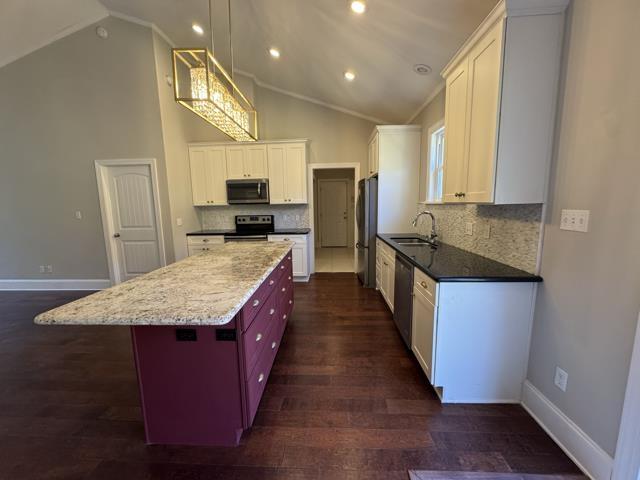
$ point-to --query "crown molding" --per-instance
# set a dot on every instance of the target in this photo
(65, 32)
(429, 99)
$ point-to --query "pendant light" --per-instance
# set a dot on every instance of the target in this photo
(203, 86)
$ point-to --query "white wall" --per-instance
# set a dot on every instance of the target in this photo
(588, 305)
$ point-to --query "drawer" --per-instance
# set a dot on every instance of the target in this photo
(297, 239)
(285, 290)
(256, 336)
(195, 250)
(258, 299)
(286, 264)
(258, 378)
(425, 285)
(204, 240)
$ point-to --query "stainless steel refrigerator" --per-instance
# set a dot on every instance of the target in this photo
(367, 218)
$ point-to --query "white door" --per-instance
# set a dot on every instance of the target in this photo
(333, 202)
(132, 220)
(423, 331)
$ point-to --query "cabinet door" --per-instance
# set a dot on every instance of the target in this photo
(299, 254)
(455, 134)
(216, 176)
(255, 162)
(373, 156)
(295, 173)
(391, 281)
(236, 169)
(197, 162)
(482, 109)
(276, 158)
(423, 332)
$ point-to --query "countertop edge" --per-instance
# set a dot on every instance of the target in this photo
(472, 279)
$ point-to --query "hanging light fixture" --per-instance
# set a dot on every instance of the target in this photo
(203, 86)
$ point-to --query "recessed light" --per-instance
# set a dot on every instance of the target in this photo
(274, 52)
(358, 6)
(349, 76)
(422, 69)
(197, 28)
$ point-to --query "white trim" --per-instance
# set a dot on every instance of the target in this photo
(627, 461)
(65, 32)
(299, 96)
(356, 178)
(429, 99)
(427, 133)
(55, 284)
(257, 142)
(105, 209)
(587, 455)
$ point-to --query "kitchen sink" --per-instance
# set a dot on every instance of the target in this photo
(413, 242)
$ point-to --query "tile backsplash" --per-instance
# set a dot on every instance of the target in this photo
(285, 216)
(506, 233)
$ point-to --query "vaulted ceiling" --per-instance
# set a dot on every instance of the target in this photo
(319, 40)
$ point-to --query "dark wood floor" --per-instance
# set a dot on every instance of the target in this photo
(345, 400)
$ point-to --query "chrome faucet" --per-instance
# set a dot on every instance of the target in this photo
(434, 235)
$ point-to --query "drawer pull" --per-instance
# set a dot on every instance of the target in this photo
(205, 240)
(290, 302)
(258, 337)
(286, 240)
(288, 258)
(284, 317)
(284, 289)
(272, 311)
(281, 267)
(289, 277)
(423, 284)
(273, 345)
(256, 303)
(271, 282)
(260, 378)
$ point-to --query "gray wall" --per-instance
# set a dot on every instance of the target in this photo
(77, 100)
(588, 305)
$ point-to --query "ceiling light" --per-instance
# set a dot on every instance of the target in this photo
(198, 29)
(274, 52)
(349, 76)
(422, 69)
(358, 6)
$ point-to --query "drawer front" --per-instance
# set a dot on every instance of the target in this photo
(297, 239)
(197, 250)
(286, 264)
(425, 285)
(202, 240)
(258, 299)
(257, 335)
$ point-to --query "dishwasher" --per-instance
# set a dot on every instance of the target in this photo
(403, 298)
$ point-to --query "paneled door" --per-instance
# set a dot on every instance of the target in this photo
(128, 199)
(455, 135)
(333, 208)
(256, 161)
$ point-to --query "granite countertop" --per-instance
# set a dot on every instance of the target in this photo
(277, 231)
(205, 289)
(446, 263)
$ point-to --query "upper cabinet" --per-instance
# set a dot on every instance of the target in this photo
(374, 154)
(501, 91)
(208, 175)
(247, 161)
(287, 173)
(284, 163)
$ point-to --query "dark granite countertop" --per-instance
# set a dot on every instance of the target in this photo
(446, 263)
(277, 231)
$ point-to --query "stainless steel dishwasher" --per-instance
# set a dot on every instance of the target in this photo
(403, 298)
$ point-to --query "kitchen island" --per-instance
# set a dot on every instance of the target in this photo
(205, 333)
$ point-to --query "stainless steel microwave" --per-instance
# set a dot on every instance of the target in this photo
(248, 191)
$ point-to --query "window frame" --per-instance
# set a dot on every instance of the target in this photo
(428, 164)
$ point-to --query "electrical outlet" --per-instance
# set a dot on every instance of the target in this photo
(468, 229)
(575, 220)
(42, 269)
(560, 379)
(487, 231)
(49, 269)
(78, 215)
(179, 221)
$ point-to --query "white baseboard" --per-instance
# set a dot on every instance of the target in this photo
(590, 458)
(55, 284)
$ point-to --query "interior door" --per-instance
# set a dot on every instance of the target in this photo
(333, 212)
(133, 220)
(484, 99)
(455, 134)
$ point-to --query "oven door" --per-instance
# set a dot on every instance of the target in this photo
(248, 191)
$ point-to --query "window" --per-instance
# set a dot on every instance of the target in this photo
(435, 165)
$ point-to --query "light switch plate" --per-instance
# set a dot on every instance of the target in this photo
(575, 220)
(468, 229)
(560, 379)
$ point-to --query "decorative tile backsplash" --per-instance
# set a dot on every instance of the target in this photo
(505, 233)
(285, 216)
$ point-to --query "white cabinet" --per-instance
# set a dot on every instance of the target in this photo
(423, 325)
(386, 271)
(201, 243)
(287, 173)
(373, 155)
(299, 252)
(208, 175)
(501, 90)
(246, 161)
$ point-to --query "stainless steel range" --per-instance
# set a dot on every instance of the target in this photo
(251, 228)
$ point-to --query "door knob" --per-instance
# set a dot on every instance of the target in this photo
(116, 235)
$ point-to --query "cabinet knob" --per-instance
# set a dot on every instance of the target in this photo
(286, 239)
(290, 302)
(281, 267)
(260, 378)
(273, 345)
(256, 303)
(423, 284)
(271, 282)
(284, 317)
(258, 337)
(288, 258)
(272, 311)
(289, 277)
(284, 289)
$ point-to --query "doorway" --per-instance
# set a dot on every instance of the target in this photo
(334, 219)
(131, 220)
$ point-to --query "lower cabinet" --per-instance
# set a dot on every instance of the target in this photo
(423, 325)
(300, 253)
(201, 243)
(386, 271)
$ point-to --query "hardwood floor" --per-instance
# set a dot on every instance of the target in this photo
(345, 400)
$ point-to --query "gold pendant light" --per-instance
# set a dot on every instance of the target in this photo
(202, 85)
